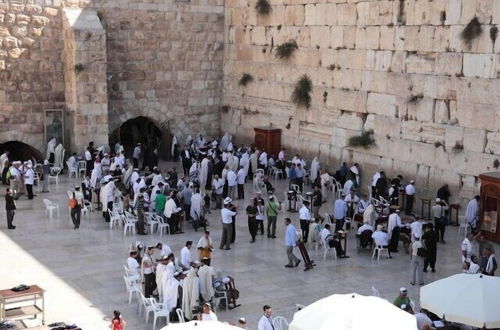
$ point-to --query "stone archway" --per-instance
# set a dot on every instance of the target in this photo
(20, 151)
(144, 130)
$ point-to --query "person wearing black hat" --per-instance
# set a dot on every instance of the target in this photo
(430, 239)
(10, 208)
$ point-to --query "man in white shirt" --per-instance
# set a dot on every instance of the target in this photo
(323, 234)
(290, 243)
(165, 250)
(227, 228)
(416, 229)
(472, 212)
(438, 210)
(467, 247)
(380, 238)
(241, 182)
(410, 197)
(136, 155)
(149, 275)
(266, 322)
(218, 186)
(417, 263)
(393, 227)
(471, 267)
(365, 226)
(171, 212)
(232, 181)
(263, 160)
(29, 180)
(132, 264)
(207, 314)
(186, 256)
(339, 213)
(305, 218)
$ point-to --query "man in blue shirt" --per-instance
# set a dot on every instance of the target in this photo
(339, 213)
(290, 243)
(292, 174)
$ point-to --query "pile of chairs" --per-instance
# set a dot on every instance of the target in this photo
(129, 220)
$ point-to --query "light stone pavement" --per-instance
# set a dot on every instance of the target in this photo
(82, 269)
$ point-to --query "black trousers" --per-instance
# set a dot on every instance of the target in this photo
(10, 218)
(29, 189)
(241, 191)
(339, 224)
(260, 226)
(75, 215)
(430, 260)
(304, 225)
(233, 224)
(136, 162)
(186, 164)
(393, 244)
(252, 228)
(187, 211)
(409, 204)
(300, 183)
(149, 284)
(440, 227)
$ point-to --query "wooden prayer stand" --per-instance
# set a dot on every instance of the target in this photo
(489, 206)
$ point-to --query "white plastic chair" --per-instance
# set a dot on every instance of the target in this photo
(280, 323)
(134, 278)
(378, 250)
(299, 307)
(327, 250)
(82, 168)
(151, 221)
(277, 172)
(37, 182)
(463, 226)
(223, 295)
(259, 170)
(180, 315)
(72, 170)
(412, 304)
(128, 224)
(147, 304)
(375, 292)
(50, 208)
(162, 225)
(131, 289)
(54, 174)
(295, 187)
(160, 311)
(114, 218)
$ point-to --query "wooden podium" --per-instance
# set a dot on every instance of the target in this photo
(268, 139)
(489, 206)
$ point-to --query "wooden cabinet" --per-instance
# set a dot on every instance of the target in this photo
(490, 205)
(268, 139)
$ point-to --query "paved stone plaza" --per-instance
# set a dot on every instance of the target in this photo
(82, 269)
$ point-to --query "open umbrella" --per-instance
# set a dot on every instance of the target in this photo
(200, 325)
(464, 298)
(352, 312)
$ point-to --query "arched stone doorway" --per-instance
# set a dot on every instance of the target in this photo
(147, 132)
(20, 151)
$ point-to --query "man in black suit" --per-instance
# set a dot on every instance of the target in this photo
(10, 207)
(186, 160)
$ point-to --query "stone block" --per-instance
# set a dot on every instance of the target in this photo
(350, 121)
(346, 14)
(441, 42)
(294, 15)
(474, 139)
(336, 37)
(258, 36)
(442, 112)
(448, 63)
(320, 36)
(479, 116)
(382, 104)
(411, 130)
(363, 11)
(453, 12)
(349, 37)
(453, 135)
(496, 13)
(420, 63)
(368, 37)
(432, 133)
(493, 143)
(387, 37)
(479, 65)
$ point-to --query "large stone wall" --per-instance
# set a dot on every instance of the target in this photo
(162, 60)
(397, 67)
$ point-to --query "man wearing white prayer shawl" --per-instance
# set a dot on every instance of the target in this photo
(127, 177)
(196, 203)
(170, 286)
(190, 293)
(203, 174)
(160, 272)
(51, 147)
(206, 275)
(172, 149)
(325, 183)
(314, 170)
(245, 162)
(224, 141)
(472, 211)
(4, 160)
(254, 159)
(58, 156)
(369, 216)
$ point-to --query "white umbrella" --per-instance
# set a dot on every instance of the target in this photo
(200, 325)
(464, 298)
(352, 312)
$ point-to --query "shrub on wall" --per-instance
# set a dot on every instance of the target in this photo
(301, 92)
(263, 7)
(471, 31)
(286, 50)
(365, 140)
(245, 79)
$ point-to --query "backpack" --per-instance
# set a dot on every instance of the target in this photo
(72, 203)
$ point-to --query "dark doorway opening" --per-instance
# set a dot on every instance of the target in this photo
(143, 130)
(20, 151)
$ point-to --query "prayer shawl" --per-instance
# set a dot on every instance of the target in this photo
(472, 211)
(193, 169)
(127, 176)
(51, 146)
(3, 162)
(206, 274)
(190, 293)
(96, 176)
(172, 149)
(232, 162)
(314, 169)
(245, 162)
(224, 141)
(369, 216)
(196, 201)
(253, 160)
(203, 172)
(490, 264)
(160, 272)
(170, 287)
(58, 156)
(392, 223)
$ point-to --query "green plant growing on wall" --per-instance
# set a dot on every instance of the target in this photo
(364, 140)
(224, 108)
(263, 7)
(415, 98)
(493, 34)
(286, 50)
(471, 31)
(245, 79)
(79, 67)
(496, 163)
(458, 146)
(301, 94)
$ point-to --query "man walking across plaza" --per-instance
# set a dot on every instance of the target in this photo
(440, 220)
(10, 208)
(305, 218)
(227, 228)
(272, 213)
(252, 221)
(290, 243)
(430, 238)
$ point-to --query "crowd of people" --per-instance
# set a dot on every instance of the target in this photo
(214, 174)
